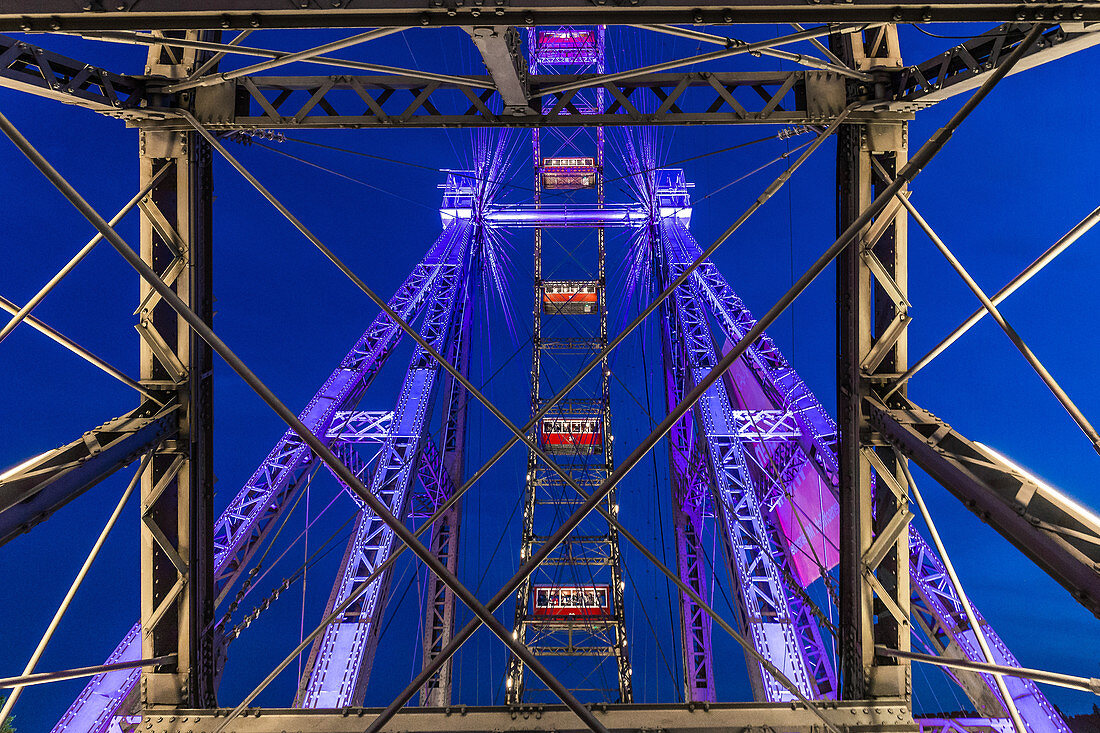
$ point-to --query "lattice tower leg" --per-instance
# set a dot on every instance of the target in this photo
(439, 611)
(177, 490)
(871, 295)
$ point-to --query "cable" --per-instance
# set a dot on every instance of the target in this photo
(344, 176)
(506, 184)
(963, 38)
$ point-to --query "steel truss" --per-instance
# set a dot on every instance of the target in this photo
(60, 15)
(249, 518)
(792, 98)
(334, 674)
(764, 609)
(590, 556)
(35, 489)
(735, 459)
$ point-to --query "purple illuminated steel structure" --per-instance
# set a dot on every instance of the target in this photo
(254, 512)
(773, 408)
(755, 461)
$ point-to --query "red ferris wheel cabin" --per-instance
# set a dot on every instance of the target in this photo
(574, 435)
(570, 297)
(572, 601)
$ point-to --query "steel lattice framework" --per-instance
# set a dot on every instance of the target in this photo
(812, 512)
(591, 557)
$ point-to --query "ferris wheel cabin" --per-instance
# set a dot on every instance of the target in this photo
(572, 601)
(569, 297)
(572, 435)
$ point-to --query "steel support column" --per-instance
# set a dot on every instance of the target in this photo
(439, 612)
(872, 318)
(690, 488)
(177, 557)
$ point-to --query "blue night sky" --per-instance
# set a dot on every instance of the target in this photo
(1017, 175)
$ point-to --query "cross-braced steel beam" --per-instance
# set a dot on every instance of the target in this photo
(873, 314)
(36, 488)
(52, 15)
(177, 559)
(1061, 537)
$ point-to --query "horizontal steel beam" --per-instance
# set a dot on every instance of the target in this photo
(502, 52)
(888, 716)
(34, 70)
(1058, 535)
(99, 15)
(35, 489)
(674, 98)
(549, 216)
(962, 68)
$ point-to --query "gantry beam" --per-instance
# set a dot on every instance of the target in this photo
(964, 67)
(37, 71)
(37, 488)
(1058, 535)
(502, 52)
(98, 15)
(795, 98)
(889, 716)
(673, 98)
(285, 102)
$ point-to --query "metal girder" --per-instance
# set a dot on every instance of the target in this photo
(1058, 535)
(779, 445)
(248, 519)
(502, 52)
(340, 662)
(678, 98)
(49, 15)
(35, 70)
(292, 102)
(885, 716)
(965, 66)
(439, 608)
(690, 490)
(268, 102)
(872, 313)
(35, 489)
(762, 599)
(177, 490)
